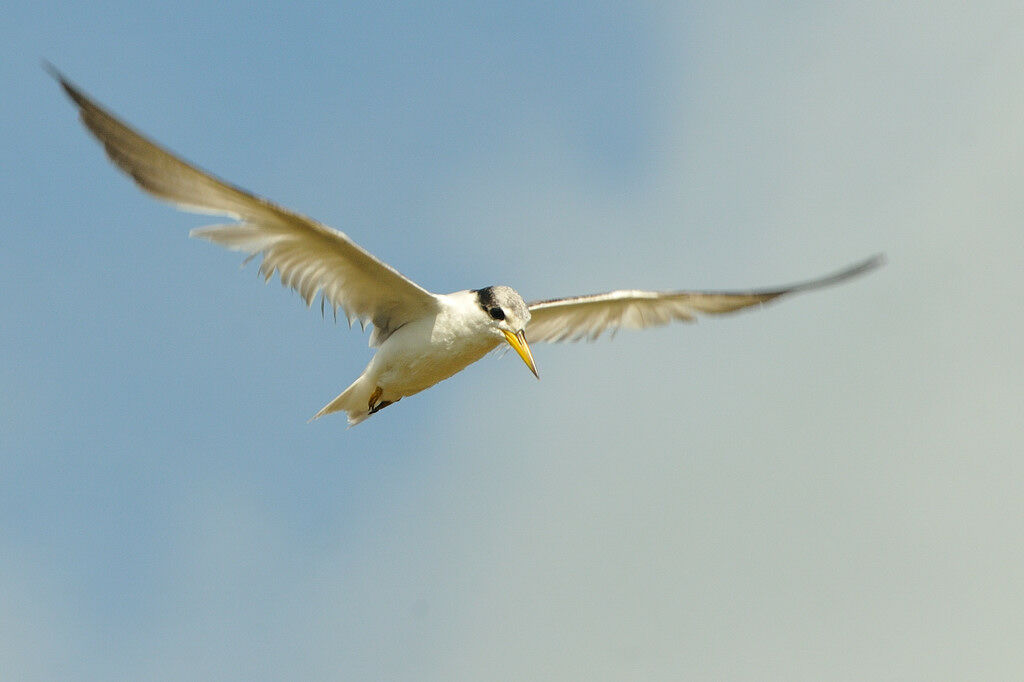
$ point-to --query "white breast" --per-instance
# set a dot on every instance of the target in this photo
(426, 351)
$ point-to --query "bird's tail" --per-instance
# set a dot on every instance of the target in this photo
(354, 400)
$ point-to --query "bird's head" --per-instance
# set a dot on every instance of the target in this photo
(507, 315)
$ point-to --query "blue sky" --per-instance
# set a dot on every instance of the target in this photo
(828, 488)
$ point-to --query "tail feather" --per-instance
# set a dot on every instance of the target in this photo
(354, 400)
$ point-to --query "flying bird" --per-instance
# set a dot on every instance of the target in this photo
(421, 337)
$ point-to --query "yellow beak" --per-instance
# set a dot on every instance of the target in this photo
(518, 343)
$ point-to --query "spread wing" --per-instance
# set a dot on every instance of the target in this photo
(310, 257)
(587, 317)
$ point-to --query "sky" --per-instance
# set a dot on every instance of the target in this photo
(826, 488)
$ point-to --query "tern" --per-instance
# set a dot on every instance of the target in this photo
(421, 338)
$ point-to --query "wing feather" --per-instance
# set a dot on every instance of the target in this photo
(588, 317)
(310, 257)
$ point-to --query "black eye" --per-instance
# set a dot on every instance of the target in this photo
(497, 313)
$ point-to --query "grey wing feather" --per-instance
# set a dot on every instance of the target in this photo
(309, 256)
(587, 317)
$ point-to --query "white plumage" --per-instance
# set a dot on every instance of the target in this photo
(422, 338)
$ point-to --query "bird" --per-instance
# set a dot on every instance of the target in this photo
(421, 338)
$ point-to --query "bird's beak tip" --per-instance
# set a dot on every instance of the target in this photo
(519, 345)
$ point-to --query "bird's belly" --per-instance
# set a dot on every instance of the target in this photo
(410, 362)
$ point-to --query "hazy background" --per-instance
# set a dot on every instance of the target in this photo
(830, 488)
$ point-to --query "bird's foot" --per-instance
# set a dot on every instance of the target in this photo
(374, 397)
(381, 405)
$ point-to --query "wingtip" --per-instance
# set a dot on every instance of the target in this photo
(55, 73)
(875, 261)
(855, 270)
(61, 79)
(869, 264)
(49, 68)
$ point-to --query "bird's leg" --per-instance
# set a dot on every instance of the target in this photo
(374, 397)
(375, 406)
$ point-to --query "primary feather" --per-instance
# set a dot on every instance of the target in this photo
(309, 256)
(587, 317)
